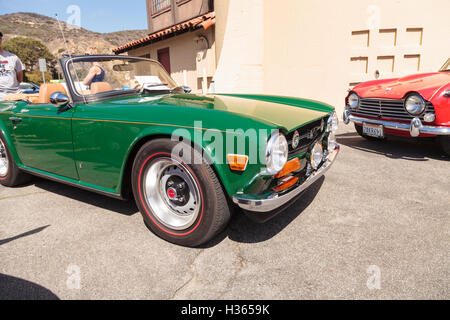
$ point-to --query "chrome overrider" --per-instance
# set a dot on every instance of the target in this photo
(415, 127)
(275, 200)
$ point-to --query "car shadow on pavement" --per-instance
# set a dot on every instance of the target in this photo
(12, 288)
(394, 147)
(26, 234)
(240, 229)
(243, 229)
(127, 208)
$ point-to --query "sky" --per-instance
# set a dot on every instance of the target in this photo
(95, 15)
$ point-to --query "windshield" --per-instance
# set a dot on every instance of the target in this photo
(100, 76)
(446, 66)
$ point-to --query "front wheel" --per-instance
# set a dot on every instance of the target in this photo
(444, 143)
(181, 200)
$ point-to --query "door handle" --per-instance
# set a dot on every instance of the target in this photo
(15, 119)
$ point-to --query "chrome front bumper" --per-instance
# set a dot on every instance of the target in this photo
(275, 201)
(415, 127)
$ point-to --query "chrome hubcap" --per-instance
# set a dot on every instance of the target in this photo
(3, 160)
(172, 193)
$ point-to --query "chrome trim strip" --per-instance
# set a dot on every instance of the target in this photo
(275, 201)
(434, 130)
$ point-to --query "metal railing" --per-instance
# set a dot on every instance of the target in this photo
(158, 5)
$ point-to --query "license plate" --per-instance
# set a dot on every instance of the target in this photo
(373, 130)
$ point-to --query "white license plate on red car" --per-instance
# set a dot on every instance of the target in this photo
(373, 130)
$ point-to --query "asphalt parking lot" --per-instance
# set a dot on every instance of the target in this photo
(376, 227)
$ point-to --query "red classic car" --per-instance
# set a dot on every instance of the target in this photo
(416, 105)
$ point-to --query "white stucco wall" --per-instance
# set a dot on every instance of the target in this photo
(319, 49)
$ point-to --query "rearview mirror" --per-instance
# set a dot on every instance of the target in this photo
(187, 89)
(59, 99)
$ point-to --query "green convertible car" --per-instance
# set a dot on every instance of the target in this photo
(130, 131)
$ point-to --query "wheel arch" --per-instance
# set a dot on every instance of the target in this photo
(125, 182)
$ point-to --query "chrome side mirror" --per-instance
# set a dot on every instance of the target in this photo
(187, 89)
(59, 99)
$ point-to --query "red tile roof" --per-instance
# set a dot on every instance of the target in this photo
(205, 21)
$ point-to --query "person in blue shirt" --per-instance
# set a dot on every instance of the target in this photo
(95, 74)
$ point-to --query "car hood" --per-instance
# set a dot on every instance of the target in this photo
(285, 112)
(426, 84)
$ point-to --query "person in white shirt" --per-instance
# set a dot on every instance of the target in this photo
(11, 72)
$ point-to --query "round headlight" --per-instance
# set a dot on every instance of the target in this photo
(316, 156)
(415, 104)
(333, 123)
(276, 153)
(353, 101)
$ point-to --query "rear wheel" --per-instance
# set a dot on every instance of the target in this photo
(181, 202)
(10, 174)
(359, 130)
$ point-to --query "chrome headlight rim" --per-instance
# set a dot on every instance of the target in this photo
(331, 142)
(316, 155)
(353, 103)
(333, 123)
(420, 104)
(276, 146)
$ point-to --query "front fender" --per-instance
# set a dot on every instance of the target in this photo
(441, 104)
(213, 144)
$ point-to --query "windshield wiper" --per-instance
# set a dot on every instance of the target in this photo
(145, 86)
(177, 89)
(183, 89)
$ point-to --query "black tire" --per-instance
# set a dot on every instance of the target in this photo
(359, 130)
(444, 143)
(212, 210)
(13, 176)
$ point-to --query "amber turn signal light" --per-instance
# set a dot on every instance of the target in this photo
(291, 166)
(237, 162)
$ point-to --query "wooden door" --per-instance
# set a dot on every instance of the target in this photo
(164, 58)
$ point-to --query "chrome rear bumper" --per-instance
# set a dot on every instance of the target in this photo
(415, 127)
(275, 201)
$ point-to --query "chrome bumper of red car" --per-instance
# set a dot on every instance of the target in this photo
(275, 200)
(415, 127)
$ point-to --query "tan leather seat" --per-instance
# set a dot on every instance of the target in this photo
(98, 87)
(47, 89)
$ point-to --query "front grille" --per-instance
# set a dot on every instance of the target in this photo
(387, 108)
(309, 133)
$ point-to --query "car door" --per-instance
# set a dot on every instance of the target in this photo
(100, 145)
(42, 134)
